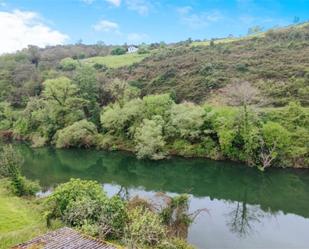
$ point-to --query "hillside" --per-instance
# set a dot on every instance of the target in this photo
(276, 62)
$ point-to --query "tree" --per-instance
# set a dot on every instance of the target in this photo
(59, 90)
(68, 64)
(121, 91)
(79, 134)
(123, 121)
(187, 119)
(255, 30)
(63, 104)
(6, 116)
(34, 55)
(149, 139)
(274, 141)
(85, 79)
(296, 19)
(118, 51)
(157, 105)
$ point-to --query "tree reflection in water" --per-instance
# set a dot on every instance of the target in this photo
(243, 218)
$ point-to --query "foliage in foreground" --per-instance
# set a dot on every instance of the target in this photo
(84, 205)
(10, 163)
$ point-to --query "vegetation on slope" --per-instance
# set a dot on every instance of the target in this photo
(115, 61)
(276, 63)
(72, 103)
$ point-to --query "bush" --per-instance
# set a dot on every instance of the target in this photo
(74, 190)
(144, 228)
(79, 134)
(23, 186)
(82, 203)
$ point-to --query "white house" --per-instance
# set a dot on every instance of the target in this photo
(132, 49)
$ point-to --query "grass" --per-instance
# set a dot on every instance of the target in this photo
(116, 61)
(227, 40)
(20, 219)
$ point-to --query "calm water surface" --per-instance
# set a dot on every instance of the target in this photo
(247, 209)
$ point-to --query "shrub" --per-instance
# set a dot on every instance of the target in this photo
(79, 134)
(23, 186)
(82, 211)
(74, 190)
(82, 203)
(113, 218)
(144, 228)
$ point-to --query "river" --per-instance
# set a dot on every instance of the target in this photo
(246, 208)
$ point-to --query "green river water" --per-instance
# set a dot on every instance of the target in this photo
(246, 208)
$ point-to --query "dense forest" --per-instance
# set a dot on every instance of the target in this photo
(244, 100)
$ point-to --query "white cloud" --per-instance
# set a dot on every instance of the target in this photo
(140, 6)
(184, 10)
(22, 28)
(115, 2)
(88, 1)
(106, 26)
(198, 20)
(137, 38)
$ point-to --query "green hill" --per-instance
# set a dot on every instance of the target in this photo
(277, 62)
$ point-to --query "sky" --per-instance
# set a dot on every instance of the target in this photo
(51, 22)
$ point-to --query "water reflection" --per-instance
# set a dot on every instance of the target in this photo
(242, 200)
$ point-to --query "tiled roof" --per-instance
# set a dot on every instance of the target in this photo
(64, 238)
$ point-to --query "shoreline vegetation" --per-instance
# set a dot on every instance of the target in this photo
(155, 127)
(247, 103)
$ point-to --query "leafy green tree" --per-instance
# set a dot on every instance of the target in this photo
(68, 64)
(64, 105)
(149, 139)
(86, 81)
(157, 105)
(59, 90)
(79, 134)
(123, 121)
(118, 51)
(6, 116)
(187, 119)
(121, 92)
(274, 143)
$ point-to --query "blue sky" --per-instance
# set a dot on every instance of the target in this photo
(136, 21)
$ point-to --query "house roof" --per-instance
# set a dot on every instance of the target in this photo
(64, 238)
